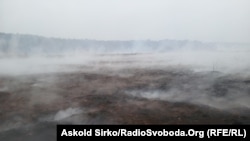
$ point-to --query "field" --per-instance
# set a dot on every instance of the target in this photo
(38, 93)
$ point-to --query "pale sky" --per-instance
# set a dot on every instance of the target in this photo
(203, 20)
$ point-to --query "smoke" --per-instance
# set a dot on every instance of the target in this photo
(223, 61)
(29, 54)
(216, 77)
(63, 114)
(219, 91)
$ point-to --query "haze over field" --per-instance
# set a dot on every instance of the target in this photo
(24, 54)
(219, 30)
(36, 55)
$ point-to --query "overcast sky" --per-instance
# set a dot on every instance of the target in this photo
(204, 20)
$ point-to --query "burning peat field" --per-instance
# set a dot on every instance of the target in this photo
(37, 92)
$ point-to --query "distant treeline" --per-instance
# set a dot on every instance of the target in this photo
(31, 44)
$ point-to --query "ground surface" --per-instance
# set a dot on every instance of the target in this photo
(32, 104)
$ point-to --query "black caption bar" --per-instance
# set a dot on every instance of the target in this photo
(79, 132)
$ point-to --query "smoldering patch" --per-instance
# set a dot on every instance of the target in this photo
(69, 112)
(217, 91)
